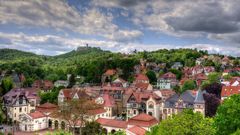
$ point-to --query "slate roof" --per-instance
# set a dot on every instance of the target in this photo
(186, 97)
(11, 97)
(199, 97)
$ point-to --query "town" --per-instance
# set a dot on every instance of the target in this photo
(156, 92)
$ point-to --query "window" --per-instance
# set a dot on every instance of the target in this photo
(25, 109)
(134, 111)
(21, 100)
(15, 115)
(20, 109)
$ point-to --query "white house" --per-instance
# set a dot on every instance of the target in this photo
(33, 121)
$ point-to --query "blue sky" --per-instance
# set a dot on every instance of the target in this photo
(53, 27)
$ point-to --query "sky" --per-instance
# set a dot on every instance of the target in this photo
(53, 27)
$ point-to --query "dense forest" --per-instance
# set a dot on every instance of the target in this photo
(90, 62)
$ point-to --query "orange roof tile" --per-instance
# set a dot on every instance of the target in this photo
(230, 90)
(143, 120)
(36, 115)
(136, 130)
(110, 72)
(141, 77)
(112, 123)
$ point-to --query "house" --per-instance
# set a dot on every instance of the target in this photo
(208, 70)
(197, 69)
(199, 61)
(59, 83)
(44, 85)
(177, 65)
(141, 78)
(188, 99)
(68, 94)
(227, 91)
(136, 130)
(137, 125)
(108, 104)
(17, 79)
(143, 120)
(46, 108)
(108, 75)
(143, 86)
(19, 101)
(34, 121)
(137, 103)
(112, 125)
(225, 61)
(167, 81)
(199, 78)
(120, 82)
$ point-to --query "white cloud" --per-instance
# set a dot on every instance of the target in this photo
(52, 45)
(59, 15)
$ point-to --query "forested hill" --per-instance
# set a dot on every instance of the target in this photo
(12, 54)
(90, 62)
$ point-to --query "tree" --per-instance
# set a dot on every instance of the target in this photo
(214, 88)
(211, 104)
(92, 128)
(214, 77)
(152, 76)
(118, 133)
(6, 85)
(178, 73)
(227, 119)
(189, 85)
(74, 111)
(227, 77)
(236, 133)
(72, 80)
(185, 123)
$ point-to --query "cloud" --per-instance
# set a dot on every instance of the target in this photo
(184, 18)
(53, 45)
(59, 15)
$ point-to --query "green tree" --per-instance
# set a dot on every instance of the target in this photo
(52, 77)
(227, 119)
(152, 76)
(118, 133)
(227, 77)
(92, 128)
(189, 85)
(185, 123)
(6, 85)
(178, 73)
(236, 133)
(214, 77)
(72, 80)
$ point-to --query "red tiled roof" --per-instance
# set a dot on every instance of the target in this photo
(142, 85)
(230, 90)
(108, 100)
(45, 84)
(167, 93)
(47, 105)
(168, 75)
(67, 93)
(136, 130)
(110, 72)
(36, 115)
(96, 111)
(143, 120)
(139, 96)
(141, 77)
(112, 123)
